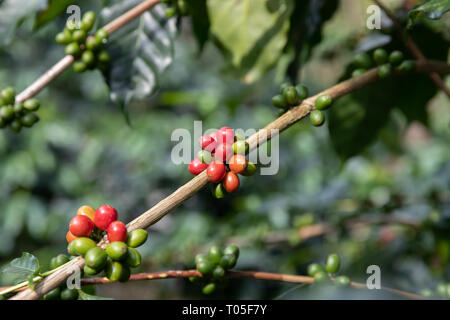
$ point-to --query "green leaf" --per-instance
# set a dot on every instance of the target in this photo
(432, 9)
(252, 34)
(140, 51)
(54, 9)
(200, 21)
(13, 13)
(84, 296)
(20, 269)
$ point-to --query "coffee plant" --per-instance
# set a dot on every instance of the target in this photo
(368, 189)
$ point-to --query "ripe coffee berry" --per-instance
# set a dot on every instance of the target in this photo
(207, 143)
(225, 135)
(238, 163)
(231, 182)
(196, 166)
(104, 215)
(216, 171)
(117, 231)
(223, 152)
(81, 226)
(70, 237)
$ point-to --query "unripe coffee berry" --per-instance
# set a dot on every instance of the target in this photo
(117, 251)
(205, 267)
(116, 271)
(218, 191)
(317, 118)
(27, 120)
(136, 238)
(380, 56)
(406, 66)
(232, 250)
(101, 35)
(231, 182)
(103, 56)
(81, 226)
(200, 257)
(240, 147)
(218, 272)
(96, 258)
(323, 102)
(284, 86)
(216, 171)
(79, 36)
(54, 294)
(133, 259)
(342, 281)
(384, 70)
(88, 57)
(79, 66)
(333, 263)
(92, 43)
(87, 211)
(209, 288)
(280, 101)
(196, 166)
(314, 268)
(6, 113)
(228, 261)
(302, 92)
(104, 215)
(396, 57)
(250, 170)
(73, 49)
(81, 245)
(117, 231)
(321, 277)
(358, 72)
(205, 156)
(290, 93)
(31, 104)
(69, 294)
(207, 143)
(238, 163)
(214, 254)
(362, 60)
(91, 271)
(8, 95)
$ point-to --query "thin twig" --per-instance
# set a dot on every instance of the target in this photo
(185, 192)
(65, 62)
(417, 53)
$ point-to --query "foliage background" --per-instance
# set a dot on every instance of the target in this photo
(84, 152)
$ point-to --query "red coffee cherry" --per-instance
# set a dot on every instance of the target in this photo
(117, 231)
(81, 226)
(207, 143)
(238, 163)
(70, 237)
(196, 166)
(216, 171)
(225, 135)
(223, 152)
(231, 182)
(104, 215)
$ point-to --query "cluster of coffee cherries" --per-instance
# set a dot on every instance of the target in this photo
(441, 291)
(223, 156)
(175, 7)
(89, 226)
(290, 95)
(214, 266)
(16, 114)
(325, 275)
(384, 60)
(61, 292)
(86, 49)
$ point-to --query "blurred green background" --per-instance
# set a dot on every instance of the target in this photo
(84, 152)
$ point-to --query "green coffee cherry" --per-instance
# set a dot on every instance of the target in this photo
(380, 56)
(240, 147)
(29, 119)
(200, 258)
(88, 20)
(396, 57)
(117, 250)
(218, 190)
(116, 271)
(406, 66)
(58, 261)
(91, 271)
(8, 95)
(232, 249)
(15, 125)
(88, 58)
(92, 43)
(314, 268)
(79, 36)
(6, 113)
(205, 267)
(284, 86)
(31, 104)
(205, 156)
(280, 101)
(228, 261)
(82, 245)
(321, 277)
(170, 12)
(384, 70)
(342, 281)
(358, 72)
(69, 294)
(214, 254)
(302, 92)
(133, 259)
(323, 102)
(333, 263)
(291, 96)
(96, 258)
(209, 288)
(103, 57)
(250, 170)
(317, 118)
(136, 238)
(218, 272)
(79, 66)
(54, 294)
(362, 60)
(101, 35)
(73, 49)
(71, 249)
(63, 38)
(18, 108)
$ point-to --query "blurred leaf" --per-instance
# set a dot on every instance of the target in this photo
(54, 9)
(200, 21)
(307, 20)
(140, 51)
(20, 269)
(432, 9)
(85, 296)
(252, 34)
(13, 13)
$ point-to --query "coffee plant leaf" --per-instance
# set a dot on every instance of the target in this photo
(14, 13)
(200, 21)
(251, 34)
(21, 269)
(432, 9)
(53, 10)
(140, 51)
(85, 296)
